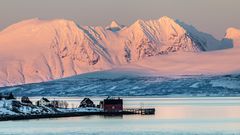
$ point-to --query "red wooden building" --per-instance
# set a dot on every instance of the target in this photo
(112, 105)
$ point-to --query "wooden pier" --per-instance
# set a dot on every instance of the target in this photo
(142, 111)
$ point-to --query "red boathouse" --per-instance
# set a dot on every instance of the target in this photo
(112, 105)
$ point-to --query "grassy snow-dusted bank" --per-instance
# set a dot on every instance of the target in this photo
(15, 110)
(9, 108)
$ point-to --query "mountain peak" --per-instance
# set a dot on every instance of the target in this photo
(138, 25)
(114, 26)
(166, 18)
(34, 22)
(139, 22)
(232, 33)
(22, 24)
(63, 21)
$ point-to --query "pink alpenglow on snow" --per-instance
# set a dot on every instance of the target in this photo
(204, 63)
(233, 34)
(43, 50)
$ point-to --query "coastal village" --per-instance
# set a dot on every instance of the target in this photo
(12, 108)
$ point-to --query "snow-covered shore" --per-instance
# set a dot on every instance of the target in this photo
(14, 109)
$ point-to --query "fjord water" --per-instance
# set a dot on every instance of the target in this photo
(175, 116)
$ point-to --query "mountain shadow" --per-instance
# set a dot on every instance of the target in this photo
(205, 40)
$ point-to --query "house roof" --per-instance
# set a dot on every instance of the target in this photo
(86, 100)
(45, 99)
(113, 101)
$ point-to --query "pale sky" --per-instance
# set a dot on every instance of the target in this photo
(211, 16)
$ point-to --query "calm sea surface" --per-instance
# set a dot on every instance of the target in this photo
(190, 116)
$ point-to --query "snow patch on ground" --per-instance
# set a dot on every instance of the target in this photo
(7, 108)
(195, 85)
(225, 83)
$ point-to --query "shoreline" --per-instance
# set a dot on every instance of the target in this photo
(61, 115)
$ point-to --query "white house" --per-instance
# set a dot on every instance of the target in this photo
(43, 102)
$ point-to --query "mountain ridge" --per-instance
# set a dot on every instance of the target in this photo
(39, 50)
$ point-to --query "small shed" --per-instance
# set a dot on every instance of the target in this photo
(87, 102)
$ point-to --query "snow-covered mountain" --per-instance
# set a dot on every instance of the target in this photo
(39, 50)
(35, 51)
(234, 35)
(204, 40)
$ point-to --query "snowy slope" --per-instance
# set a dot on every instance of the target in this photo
(233, 34)
(37, 50)
(156, 37)
(205, 41)
(211, 63)
(128, 83)
(34, 51)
